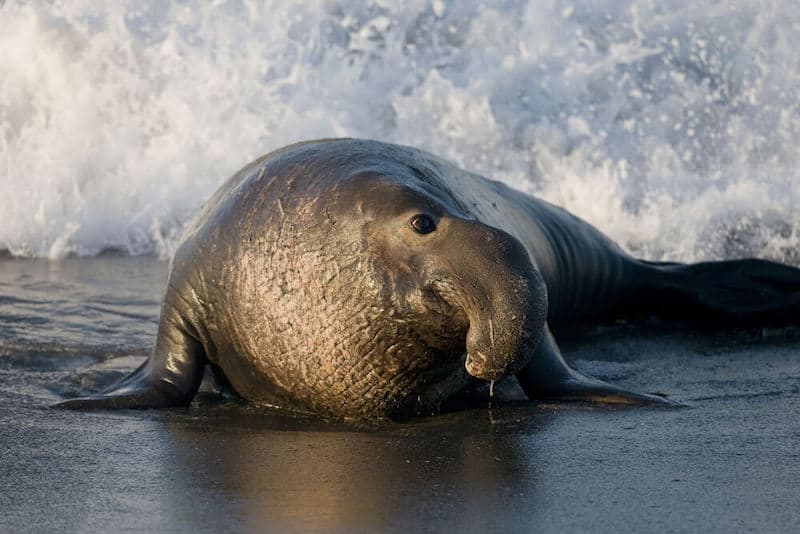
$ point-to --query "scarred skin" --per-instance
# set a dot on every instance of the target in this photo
(305, 284)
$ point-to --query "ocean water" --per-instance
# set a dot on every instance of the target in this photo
(671, 125)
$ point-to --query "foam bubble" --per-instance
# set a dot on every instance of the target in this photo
(672, 126)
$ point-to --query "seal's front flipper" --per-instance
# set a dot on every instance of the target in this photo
(169, 377)
(548, 377)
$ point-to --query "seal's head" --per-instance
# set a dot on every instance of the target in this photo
(464, 286)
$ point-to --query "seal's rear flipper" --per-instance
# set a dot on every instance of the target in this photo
(750, 291)
(548, 377)
(169, 377)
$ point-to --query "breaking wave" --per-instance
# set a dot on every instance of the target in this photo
(671, 125)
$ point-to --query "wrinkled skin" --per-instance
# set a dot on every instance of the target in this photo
(304, 283)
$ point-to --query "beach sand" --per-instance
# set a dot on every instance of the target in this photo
(729, 461)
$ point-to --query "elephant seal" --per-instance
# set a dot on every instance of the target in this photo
(359, 279)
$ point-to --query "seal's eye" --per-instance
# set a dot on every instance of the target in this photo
(422, 224)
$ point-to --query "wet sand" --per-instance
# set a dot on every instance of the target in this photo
(730, 461)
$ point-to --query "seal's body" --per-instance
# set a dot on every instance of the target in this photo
(361, 279)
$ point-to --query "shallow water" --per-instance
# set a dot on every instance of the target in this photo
(730, 461)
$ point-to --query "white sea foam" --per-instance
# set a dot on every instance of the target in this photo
(671, 125)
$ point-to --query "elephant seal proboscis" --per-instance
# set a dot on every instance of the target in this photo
(360, 279)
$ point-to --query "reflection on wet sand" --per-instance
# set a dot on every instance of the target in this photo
(296, 475)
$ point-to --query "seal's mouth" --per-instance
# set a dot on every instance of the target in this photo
(436, 302)
(446, 323)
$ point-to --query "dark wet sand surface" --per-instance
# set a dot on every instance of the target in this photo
(728, 462)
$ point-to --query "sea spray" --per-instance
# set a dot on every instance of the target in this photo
(672, 126)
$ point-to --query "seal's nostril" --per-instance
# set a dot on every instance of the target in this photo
(482, 367)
